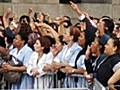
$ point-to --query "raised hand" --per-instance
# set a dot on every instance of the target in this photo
(88, 52)
(75, 8)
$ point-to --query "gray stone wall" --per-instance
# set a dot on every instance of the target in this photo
(55, 9)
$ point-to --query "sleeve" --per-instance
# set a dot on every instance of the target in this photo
(91, 21)
(115, 62)
(27, 57)
(88, 65)
(82, 17)
(49, 58)
(30, 66)
(116, 67)
(58, 57)
(90, 29)
(81, 62)
(72, 59)
(104, 39)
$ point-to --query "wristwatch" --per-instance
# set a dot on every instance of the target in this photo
(73, 70)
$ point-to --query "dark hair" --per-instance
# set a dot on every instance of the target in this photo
(36, 16)
(25, 28)
(107, 17)
(45, 42)
(33, 36)
(54, 26)
(68, 18)
(69, 23)
(61, 40)
(10, 19)
(118, 25)
(102, 44)
(1, 19)
(2, 42)
(94, 18)
(116, 42)
(24, 16)
(9, 34)
(74, 31)
(23, 36)
(52, 40)
(109, 24)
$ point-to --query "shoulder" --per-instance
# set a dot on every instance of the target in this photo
(75, 47)
(27, 48)
(13, 50)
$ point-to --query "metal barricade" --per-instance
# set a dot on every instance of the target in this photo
(73, 82)
(69, 83)
(49, 80)
(97, 85)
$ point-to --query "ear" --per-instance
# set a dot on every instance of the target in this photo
(106, 28)
(100, 46)
(23, 42)
(71, 37)
(42, 48)
(115, 48)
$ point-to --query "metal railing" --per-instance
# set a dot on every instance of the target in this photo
(97, 85)
(69, 82)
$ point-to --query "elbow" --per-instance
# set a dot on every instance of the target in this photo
(110, 82)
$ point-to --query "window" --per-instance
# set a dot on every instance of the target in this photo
(85, 1)
(68, 1)
(5, 0)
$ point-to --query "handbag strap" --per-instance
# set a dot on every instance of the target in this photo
(20, 62)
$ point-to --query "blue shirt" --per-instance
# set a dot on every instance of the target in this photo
(26, 81)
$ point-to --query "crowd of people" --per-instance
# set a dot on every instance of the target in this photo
(91, 48)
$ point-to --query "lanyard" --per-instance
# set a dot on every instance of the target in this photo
(101, 62)
(95, 63)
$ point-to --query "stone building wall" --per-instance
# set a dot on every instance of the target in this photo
(54, 8)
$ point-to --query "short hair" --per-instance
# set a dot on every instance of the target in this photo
(24, 16)
(23, 36)
(116, 42)
(54, 26)
(110, 24)
(45, 42)
(25, 28)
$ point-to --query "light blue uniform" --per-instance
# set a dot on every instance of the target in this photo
(82, 82)
(26, 81)
(68, 55)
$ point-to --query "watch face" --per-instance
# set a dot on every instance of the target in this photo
(73, 70)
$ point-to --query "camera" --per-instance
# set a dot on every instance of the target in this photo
(10, 19)
(35, 17)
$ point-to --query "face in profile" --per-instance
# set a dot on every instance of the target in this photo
(37, 46)
(81, 39)
(58, 46)
(94, 46)
(17, 42)
(109, 47)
